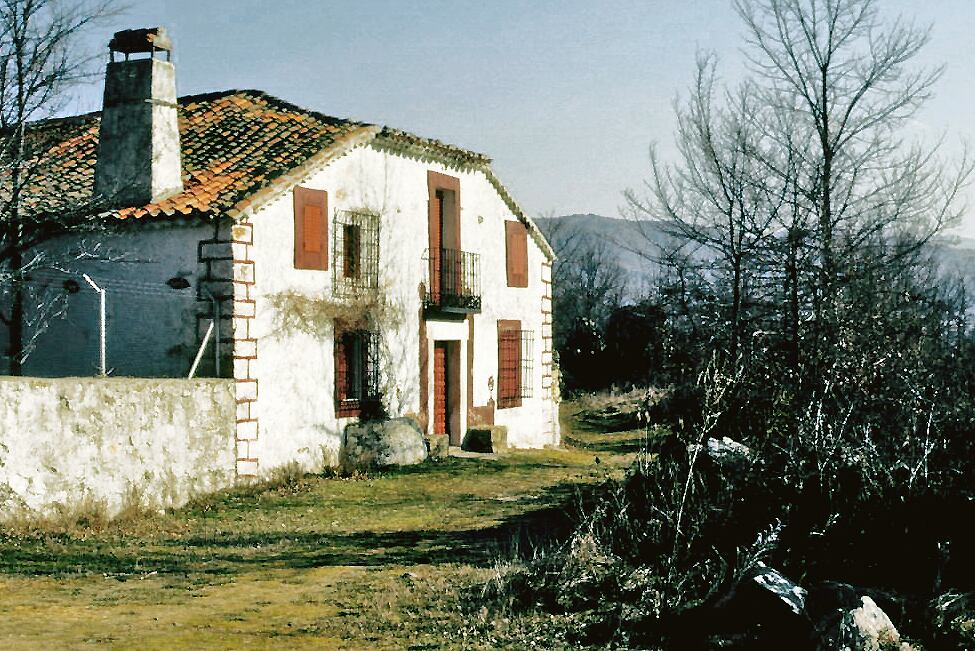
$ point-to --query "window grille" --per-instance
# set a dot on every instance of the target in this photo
(355, 251)
(516, 366)
(356, 371)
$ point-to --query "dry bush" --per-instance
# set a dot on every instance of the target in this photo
(316, 315)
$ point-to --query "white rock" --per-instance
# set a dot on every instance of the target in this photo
(866, 628)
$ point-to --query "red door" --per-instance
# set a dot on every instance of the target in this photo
(440, 388)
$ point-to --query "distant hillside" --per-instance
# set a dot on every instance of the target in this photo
(634, 246)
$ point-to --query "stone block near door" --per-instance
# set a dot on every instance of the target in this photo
(380, 444)
(438, 446)
(487, 438)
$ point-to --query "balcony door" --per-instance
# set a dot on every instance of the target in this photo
(444, 230)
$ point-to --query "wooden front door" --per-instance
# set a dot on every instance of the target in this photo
(440, 419)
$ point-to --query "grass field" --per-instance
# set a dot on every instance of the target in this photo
(392, 560)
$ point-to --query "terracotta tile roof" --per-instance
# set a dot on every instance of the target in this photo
(235, 144)
(238, 148)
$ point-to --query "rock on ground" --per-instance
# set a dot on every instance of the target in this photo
(866, 628)
(380, 444)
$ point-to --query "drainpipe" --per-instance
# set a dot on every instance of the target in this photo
(102, 366)
(216, 321)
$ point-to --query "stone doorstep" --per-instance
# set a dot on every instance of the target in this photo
(457, 451)
(438, 445)
(486, 438)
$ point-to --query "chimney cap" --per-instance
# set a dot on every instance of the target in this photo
(149, 39)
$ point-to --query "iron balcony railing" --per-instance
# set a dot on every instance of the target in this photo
(454, 282)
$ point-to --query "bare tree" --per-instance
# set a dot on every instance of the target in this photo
(804, 167)
(714, 203)
(588, 282)
(837, 91)
(42, 60)
(589, 285)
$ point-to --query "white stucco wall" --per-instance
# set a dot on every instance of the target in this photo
(113, 440)
(151, 327)
(294, 368)
(151, 334)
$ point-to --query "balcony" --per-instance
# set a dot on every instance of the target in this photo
(454, 282)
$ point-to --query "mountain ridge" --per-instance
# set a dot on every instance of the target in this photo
(632, 246)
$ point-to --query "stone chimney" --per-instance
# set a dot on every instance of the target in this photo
(138, 142)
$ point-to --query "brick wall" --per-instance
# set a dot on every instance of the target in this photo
(228, 269)
(547, 374)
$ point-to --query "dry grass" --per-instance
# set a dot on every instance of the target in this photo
(388, 561)
(84, 517)
(604, 399)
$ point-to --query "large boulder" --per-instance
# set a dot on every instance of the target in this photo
(381, 444)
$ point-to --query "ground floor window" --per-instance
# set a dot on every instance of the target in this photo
(515, 367)
(356, 371)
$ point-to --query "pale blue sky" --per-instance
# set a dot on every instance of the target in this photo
(565, 96)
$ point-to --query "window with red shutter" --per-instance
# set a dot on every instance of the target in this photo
(443, 215)
(356, 371)
(516, 250)
(509, 364)
(311, 228)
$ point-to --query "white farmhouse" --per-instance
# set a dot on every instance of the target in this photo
(350, 268)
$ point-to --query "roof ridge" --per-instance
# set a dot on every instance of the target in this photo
(414, 141)
(384, 129)
(208, 96)
(291, 106)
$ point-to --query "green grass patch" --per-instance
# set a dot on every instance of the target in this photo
(379, 561)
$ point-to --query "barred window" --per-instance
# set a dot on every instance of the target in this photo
(355, 250)
(356, 371)
(515, 363)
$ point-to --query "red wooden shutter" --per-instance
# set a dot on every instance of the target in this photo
(311, 221)
(436, 243)
(449, 199)
(516, 249)
(311, 228)
(509, 363)
(341, 369)
(444, 205)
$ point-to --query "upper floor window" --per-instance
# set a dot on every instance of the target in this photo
(311, 228)
(443, 211)
(516, 252)
(355, 251)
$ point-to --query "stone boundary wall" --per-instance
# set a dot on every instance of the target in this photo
(114, 440)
